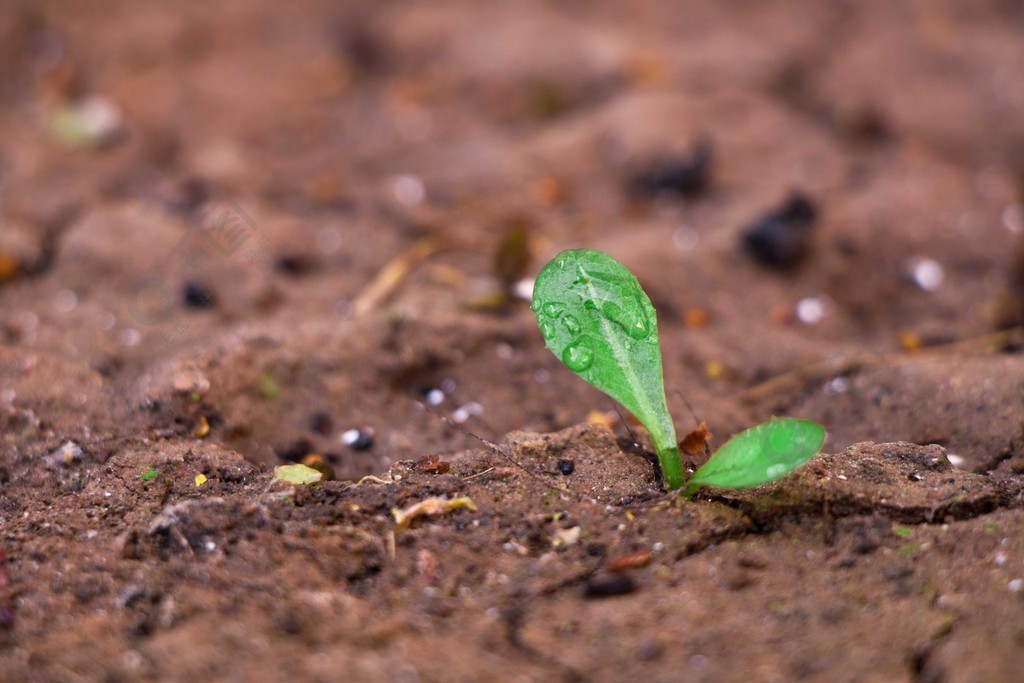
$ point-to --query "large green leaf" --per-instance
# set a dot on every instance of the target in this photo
(761, 454)
(597, 319)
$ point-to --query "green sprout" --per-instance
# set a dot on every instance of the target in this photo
(597, 319)
(149, 473)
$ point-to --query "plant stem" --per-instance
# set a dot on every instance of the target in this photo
(671, 467)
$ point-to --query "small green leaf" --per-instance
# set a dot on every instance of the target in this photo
(297, 474)
(597, 319)
(761, 454)
(149, 473)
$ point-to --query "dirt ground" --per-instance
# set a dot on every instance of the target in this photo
(233, 235)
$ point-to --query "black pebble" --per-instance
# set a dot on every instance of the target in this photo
(321, 423)
(363, 440)
(781, 238)
(197, 295)
(294, 264)
(608, 586)
(687, 176)
(566, 466)
(295, 451)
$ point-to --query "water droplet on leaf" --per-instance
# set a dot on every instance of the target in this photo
(547, 329)
(631, 317)
(553, 309)
(572, 324)
(579, 355)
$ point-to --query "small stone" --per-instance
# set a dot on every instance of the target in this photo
(358, 439)
(781, 238)
(927, 274)
(610, 586)
(197, 295)
(810, 310)
(566, 466)
(68, 454)
(321, 423)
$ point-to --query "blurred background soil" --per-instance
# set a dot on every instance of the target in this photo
(233, 235)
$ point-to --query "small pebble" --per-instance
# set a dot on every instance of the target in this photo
(295, 451)
(328, 240)
(928, 274)
(295, 264)
(408, 190)
(359, 439)
(810, 310)
(685, 239)
(435, 397)
(523, 289)
(781, 238)
(955, 460)
(609, 586)
(685, 176)
(1016, 585)
(566, 466)
(1013, 218)
(321, 423)
(66, 301)
(196, 295)
(130, 337)
(837, 385)
(467, 411)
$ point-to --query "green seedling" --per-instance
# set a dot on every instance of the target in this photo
(597, 319)
(149, 474)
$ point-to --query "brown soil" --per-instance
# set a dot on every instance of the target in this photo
(137, 353)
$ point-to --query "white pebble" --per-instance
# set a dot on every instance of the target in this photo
(523, 289)
(408, 190)
(1013, 218)
(328, 240)
(130, 337)
(98, 117)
(435, 397)
(837, 385)
(343, 309)
(467, 411)
(66, 301)
(1000, 559)
(928, 274)
(955, 460)
(685, 238)
(350, 436)
(810, 310)
(1016, 585)
(28, 321)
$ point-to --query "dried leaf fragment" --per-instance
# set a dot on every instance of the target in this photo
(623, 563)
(696, 441)
(430, 506)
(431, 464)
